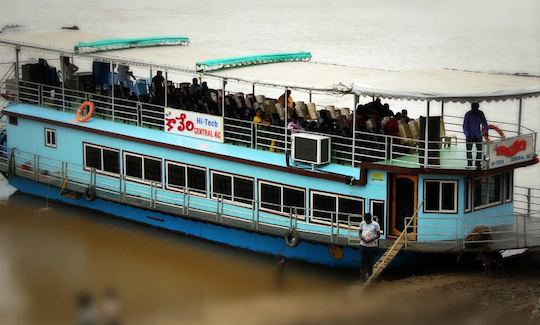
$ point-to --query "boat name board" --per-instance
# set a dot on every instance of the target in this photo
(192, 124)
(511, 151)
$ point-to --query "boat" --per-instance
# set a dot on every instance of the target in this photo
(166, 151)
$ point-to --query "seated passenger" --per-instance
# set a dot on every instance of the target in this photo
(294, 124)
(325, 123)
(69, 70)
(391, 127)
(259, 119)
(405, 116)
(124, 76)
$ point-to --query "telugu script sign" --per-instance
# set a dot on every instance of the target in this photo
(195, 125)
(511, 151)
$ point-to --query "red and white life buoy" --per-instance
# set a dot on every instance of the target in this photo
(497, 129)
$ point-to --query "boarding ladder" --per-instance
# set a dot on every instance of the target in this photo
(391, 253)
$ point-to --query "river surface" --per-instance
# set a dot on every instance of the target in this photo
(47, 255)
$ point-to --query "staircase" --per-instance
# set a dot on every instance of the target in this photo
(391, 253)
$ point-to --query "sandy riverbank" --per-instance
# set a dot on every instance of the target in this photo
(512, 295)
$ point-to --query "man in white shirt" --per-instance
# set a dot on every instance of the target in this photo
(369, 232)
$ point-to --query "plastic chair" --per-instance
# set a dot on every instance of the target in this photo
(345, 111)
(413, 126)
(332, 110)
(312, 110)
(280, 111)
(260, 99)
(447, 138)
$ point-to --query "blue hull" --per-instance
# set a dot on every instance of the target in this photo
(305, 251)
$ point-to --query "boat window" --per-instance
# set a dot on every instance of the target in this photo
(142, 167)
(294, 198)
(177, 174)
(111, 161)
(350, 210)
(327, 207)
(487, 191)
(243, 190)
(92, 157)
(377, 211)
(270, 197)
(222, 184)
(152, 169)
(508, 186)
(104, 160)
(50, 138)
(282, 198)
(233, 188)
(196, 179)
(440, 196)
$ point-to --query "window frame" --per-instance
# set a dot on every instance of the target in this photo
(492, 204)
(175, 188)
(52, 132)
(508, 195)
(102, 171)
(281, 186)
(371, 201)
(316, 220)
(143, 157)
(232, 177)
(456, 195)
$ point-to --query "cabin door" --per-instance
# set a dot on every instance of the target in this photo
(403, 198)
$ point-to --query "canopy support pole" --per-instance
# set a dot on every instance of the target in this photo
(426, 137)
(63, 82)
(442, 110)
(520, 115)
(353, 152)
(111, 68)
(17, 77)
(286, 118)
(223, 83)
(310, 97)
(166, 102)
(253, 89)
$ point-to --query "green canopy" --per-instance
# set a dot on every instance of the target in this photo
(230, 62)
(120, 43)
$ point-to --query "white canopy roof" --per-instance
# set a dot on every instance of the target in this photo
(447, 85)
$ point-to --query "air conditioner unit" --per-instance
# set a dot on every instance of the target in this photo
(310, 148)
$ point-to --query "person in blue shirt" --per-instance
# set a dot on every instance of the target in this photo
(474, 126)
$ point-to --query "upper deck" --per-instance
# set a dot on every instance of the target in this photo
(352, 143)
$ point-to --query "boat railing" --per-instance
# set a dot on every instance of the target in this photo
(346, 149)
(472, 231)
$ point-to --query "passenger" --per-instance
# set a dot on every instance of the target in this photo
(294, 124)
(258, 118)
(195, 89)
(158, 87)
(69, 70)
(325, 123)
(290, 102)
(111, 307)
(405, 116)
(391, 127)
(86, 310)
(474, 126)
(369, 232)
(124, 77)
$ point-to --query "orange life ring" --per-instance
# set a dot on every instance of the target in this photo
(496, 128)
(88, 115)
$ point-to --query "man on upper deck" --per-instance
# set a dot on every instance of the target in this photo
(474, 126)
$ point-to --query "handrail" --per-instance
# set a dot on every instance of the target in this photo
(353, 149)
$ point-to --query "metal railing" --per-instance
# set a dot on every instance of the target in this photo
(349, 150)
(452, 233)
